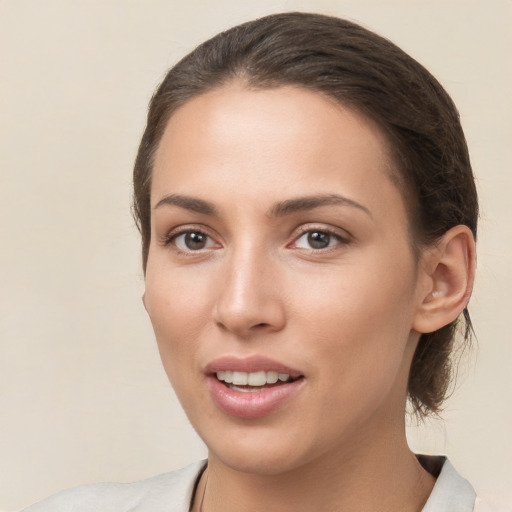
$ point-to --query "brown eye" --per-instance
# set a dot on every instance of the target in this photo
(195, 241)
(319, 239)
(192, 241)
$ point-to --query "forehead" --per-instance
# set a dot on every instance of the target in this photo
(268, 141)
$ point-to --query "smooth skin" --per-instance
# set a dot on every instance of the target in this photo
(235, 269)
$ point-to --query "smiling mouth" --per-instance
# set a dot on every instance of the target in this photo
(253, 382)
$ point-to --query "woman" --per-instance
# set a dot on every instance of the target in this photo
(308, 216)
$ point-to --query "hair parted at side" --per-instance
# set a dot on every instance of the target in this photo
(360, 70)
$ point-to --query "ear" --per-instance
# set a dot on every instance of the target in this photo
(449, 272)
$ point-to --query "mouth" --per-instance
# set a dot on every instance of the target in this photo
(253, 382)
(252, 387)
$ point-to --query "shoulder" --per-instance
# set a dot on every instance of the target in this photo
(171, 492)
(451, 491)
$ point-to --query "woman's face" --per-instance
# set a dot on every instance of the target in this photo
(280, 251)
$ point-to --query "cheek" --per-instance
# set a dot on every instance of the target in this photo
(360, 317)
(178, 309)
(364, 296)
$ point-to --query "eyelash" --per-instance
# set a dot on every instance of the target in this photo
(170, 239)
(307, 230)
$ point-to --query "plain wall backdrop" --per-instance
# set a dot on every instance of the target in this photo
(83, 396)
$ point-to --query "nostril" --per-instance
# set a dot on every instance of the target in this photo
(244, 317)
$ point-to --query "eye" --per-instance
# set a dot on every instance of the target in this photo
(189, 241)
(317, 239)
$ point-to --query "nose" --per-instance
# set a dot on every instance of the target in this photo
(250, 300)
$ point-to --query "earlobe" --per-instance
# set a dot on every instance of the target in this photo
(450, 271)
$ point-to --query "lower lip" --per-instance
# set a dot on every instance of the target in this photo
(254, 404)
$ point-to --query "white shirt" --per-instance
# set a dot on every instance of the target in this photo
(172, 492)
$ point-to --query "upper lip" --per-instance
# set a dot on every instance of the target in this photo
(250, 364)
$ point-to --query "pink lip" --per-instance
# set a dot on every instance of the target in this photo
(256, 404)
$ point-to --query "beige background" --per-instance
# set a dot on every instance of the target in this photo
(82, 394)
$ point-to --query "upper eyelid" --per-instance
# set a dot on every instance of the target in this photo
(338, 232)
(175, 232)
(342, 237)
(186, 228)
(210, 241)
(333, 235)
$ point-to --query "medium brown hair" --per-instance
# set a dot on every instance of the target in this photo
(364, 71)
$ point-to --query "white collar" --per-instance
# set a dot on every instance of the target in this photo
(451, 492)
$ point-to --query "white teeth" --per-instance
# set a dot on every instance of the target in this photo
(226, 376)
(246, 390)
(257, 379)
(252, 379)
(240, 378)
(272, 377)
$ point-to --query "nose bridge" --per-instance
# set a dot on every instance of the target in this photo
(249, 298)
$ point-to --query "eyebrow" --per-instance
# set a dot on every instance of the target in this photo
(280, 209)
(188, 203)
(311, 202)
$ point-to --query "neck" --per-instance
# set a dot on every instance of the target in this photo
(383, 475)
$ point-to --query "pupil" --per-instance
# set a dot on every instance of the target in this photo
(195, 240)
(319, 240)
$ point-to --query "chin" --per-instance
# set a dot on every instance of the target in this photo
(257, 450)
(258, 462)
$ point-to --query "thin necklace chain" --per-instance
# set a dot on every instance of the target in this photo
(204, 491)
